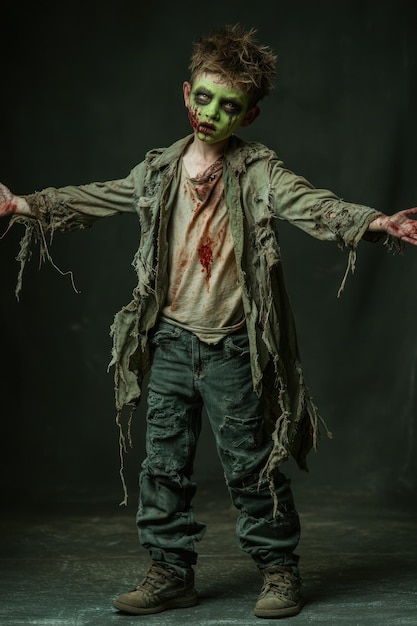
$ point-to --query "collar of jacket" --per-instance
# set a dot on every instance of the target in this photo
(238, 154)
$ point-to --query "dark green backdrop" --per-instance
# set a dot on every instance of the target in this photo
(86, 89)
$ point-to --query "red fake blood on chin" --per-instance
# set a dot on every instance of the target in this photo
(205, 254)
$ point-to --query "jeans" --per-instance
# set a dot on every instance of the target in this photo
(187, 375)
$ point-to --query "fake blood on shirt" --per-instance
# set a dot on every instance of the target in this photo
(205, 253)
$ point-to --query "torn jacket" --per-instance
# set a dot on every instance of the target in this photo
(259, 190)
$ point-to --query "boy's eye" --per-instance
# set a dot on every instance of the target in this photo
(232, 107)
(202, 98)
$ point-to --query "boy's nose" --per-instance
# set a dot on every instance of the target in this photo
(212, 111)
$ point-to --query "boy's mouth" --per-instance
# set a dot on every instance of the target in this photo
(206, 128)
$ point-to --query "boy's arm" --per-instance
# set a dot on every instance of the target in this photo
(322, 214)
(11, 204)
(64, 209)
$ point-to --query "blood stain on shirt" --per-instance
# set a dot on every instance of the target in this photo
(205, 254)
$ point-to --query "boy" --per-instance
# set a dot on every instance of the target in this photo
(211, 319)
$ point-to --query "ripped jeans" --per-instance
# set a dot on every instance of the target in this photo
(186, 375)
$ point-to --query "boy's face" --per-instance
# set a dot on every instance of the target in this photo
(215, 109)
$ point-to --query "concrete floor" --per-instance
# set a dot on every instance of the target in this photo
(63, 564)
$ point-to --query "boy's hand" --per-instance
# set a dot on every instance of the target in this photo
(398, 225)
(10, 203)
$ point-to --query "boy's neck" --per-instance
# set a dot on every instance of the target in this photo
(202, 153)
(199, 155)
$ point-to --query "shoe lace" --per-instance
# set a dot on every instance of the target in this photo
(155, 578)
(281, 583)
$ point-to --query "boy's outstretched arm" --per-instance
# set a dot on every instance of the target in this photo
(11, 204)
(398, 225)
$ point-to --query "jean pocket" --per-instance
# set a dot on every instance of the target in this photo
(164, 335)
(236, 344)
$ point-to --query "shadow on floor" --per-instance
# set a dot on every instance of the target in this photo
(64, 563)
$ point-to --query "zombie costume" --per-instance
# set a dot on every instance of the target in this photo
(258, 191)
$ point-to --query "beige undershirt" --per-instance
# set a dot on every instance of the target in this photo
(203, 295)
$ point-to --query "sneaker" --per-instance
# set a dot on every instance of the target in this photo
(162, 588)
(281, 593)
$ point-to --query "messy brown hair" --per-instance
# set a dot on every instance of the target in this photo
(234, 53)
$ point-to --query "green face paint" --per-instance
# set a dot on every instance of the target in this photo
(216, 110)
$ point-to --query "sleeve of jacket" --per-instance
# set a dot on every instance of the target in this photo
(71, 207)
(319, 212)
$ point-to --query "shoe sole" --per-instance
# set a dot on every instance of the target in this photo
(175, 603)
(276, 613)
